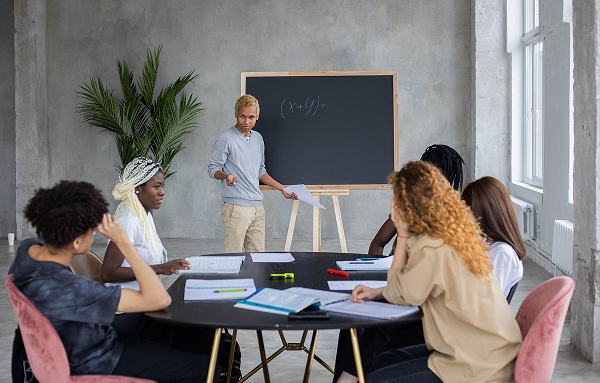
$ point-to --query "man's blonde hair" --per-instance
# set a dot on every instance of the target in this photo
(247, 100)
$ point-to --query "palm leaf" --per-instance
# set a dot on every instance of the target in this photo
(140, 125)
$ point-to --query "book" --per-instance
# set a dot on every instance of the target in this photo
(324, 297)
(205, 264)
(378, 264)
(215, 289)
(371, 309)
(276, 301)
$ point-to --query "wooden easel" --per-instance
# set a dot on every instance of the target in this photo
(334, 193)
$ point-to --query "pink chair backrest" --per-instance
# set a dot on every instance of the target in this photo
(45, 351)
(541, 318)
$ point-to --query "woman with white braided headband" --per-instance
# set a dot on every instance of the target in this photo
(140, 188)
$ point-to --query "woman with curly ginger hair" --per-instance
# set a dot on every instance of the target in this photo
(441, 265)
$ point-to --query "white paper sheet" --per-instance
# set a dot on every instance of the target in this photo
(350, 285)
(272, 257)
(371, 309)
(205, 289)
(303, 195)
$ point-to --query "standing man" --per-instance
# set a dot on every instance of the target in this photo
(238, 160)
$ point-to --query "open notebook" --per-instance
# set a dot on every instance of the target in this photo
(204, 264)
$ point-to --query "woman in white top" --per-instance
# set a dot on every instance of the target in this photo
(141, 189)
(490, 202)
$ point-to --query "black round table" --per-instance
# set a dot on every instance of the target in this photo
(310, 271)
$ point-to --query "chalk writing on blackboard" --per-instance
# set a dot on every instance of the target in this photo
(309, 107)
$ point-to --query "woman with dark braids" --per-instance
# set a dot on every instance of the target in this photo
(83, 311)
(450, 163)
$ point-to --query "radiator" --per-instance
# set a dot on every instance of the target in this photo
(562, 245)
(524, 212)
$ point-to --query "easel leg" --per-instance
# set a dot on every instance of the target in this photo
(317, 226)
(290, 233)
(340, 226)
(359, 370)
(213, 356)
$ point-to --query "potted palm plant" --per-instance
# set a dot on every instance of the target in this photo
(142, 126)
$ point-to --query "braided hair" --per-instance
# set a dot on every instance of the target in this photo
(136, 173)
(448, 161)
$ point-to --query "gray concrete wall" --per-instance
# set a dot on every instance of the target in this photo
(31, 133)
(585, 314)
(428, 43)
(7, 119)
(490, 132)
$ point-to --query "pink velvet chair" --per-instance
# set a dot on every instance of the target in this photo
(44, 348)
(541, 318)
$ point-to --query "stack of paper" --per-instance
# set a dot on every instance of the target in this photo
(272, 257)
(276, 301)
(371, 309)
(204, 264)
(378, 264)
(203, 289)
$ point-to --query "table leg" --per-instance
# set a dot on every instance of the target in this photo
(359, 370)
(290, 233)
(263, 356)
(311, 355)
(213, 356)
(231, 355)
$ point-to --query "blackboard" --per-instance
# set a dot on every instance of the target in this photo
(327, 129)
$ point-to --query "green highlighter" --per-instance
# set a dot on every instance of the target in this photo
(282, 276)
(229, 291)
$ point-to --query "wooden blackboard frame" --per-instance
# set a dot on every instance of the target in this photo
(393, 74)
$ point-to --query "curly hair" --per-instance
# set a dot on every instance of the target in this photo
(247, 100)
(66, 211)
(430, 206)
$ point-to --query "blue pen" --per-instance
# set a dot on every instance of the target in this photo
(362, 263)
(367, 259)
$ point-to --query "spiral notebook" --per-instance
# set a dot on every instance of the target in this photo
(214, 289)
(379, 264)
(204, 264)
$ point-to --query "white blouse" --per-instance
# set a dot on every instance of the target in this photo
(136, 236)
(508, 268)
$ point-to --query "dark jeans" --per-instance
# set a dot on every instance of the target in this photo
(407, 364)
(372, 343)
(159, 351)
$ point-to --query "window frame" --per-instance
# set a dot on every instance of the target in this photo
(533, 91)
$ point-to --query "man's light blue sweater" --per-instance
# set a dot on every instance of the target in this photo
(234, 153)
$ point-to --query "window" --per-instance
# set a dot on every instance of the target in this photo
(534, 124)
